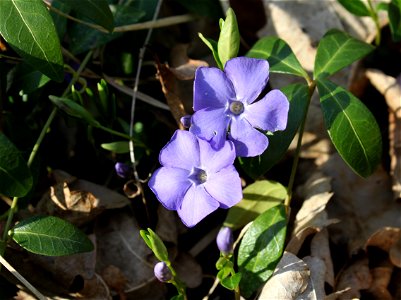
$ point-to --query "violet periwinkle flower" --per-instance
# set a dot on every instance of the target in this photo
(224, 103)
(162, 272)
(123, 170)
(225, 240)
(196, 179)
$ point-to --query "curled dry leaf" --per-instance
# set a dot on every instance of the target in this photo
(76, 200)
(391, 90)
(289, 280)
(384, 238)
(381, 276)
(315, 289)
(357, 277)
(320, 248)
(395, 253)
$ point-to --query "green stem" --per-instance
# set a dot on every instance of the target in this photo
(294, 168)
(375, 17)
(176, 281)
(39, 141)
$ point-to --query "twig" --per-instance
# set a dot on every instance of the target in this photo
(163, 22)
(21, 278)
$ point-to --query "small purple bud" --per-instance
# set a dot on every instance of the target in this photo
(162, 272)
(186, 121)
(123, 170)
(225, 240)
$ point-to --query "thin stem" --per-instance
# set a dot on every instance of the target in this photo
(294, 168)
(25, 282)
(126, 136)
(375, 17)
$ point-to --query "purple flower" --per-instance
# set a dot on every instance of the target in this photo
(196, 179)
(186, 121)
(123, 170)
(162, 272)
(224, 102)
(225, 240)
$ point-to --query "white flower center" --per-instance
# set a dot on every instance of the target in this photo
(236, 107)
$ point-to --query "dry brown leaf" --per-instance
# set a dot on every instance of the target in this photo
(320, 248)
(357, 277)
(334, 296)
(384, 238)
(296, 242)
(381, 277)
(395, 253)
(120, 245)
(362, 205)
(315, 289)
(289, 280)
(391, 90)
(115, 279)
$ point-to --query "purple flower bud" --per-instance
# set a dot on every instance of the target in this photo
(123, 170)
(225, 240)
(162, 272)
(186, 121)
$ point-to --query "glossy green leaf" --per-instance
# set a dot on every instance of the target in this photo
(258, 197)
(356, 7)
(27, 27)
(394, 15)
(74, 109)
(117, 147)
(15, 176)
(231, 282)
(352, 128)
(261, 249)
(279, 142)
(229, 39)
(97, 11)
(48, 235)
(337, 50)
(212, 45)
(279, 55)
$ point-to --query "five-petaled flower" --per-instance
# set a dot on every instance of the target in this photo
(196, 179)
(224, 102)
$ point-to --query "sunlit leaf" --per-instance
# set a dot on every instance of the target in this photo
(357, 7)
(229, 39)
(48, 235)
(15, 176)
(279, 55)
(212, 45)
(261, 249)
(352, 128)
(258, 197)
(337, 50)
(27, 27)
(279, 142)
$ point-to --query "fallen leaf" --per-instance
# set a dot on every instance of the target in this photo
(384, 238)
(381, 276)
(320, 248)
(357, 277)
(315, 289)
(115, 279)
(289, 280)
(395, 253)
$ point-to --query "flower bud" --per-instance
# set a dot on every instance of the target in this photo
(225, 240)
(123, 170)
(162, 272)
(186, 121)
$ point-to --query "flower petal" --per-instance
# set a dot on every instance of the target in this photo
(270, 113)
(211, 88)
(225, 186)
(213, 160)
(197, 204)
(211, 125)
(249, 77)
(248, 141)
(170, 186)
(181, 152)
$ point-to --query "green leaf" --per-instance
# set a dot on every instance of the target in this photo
(117, 147)
(261, 249)
(279, 55)
(279, 142)
(155, 244)
(352, 128)
(356, 7)
(337, 50)
(27, 80)
(74, 109)
(51, 236)
(97, 11)
(27, 27)
(231, 282)
(394, 15)
(229, 39)
(15, 176)
(212, 45)
(258, 197)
